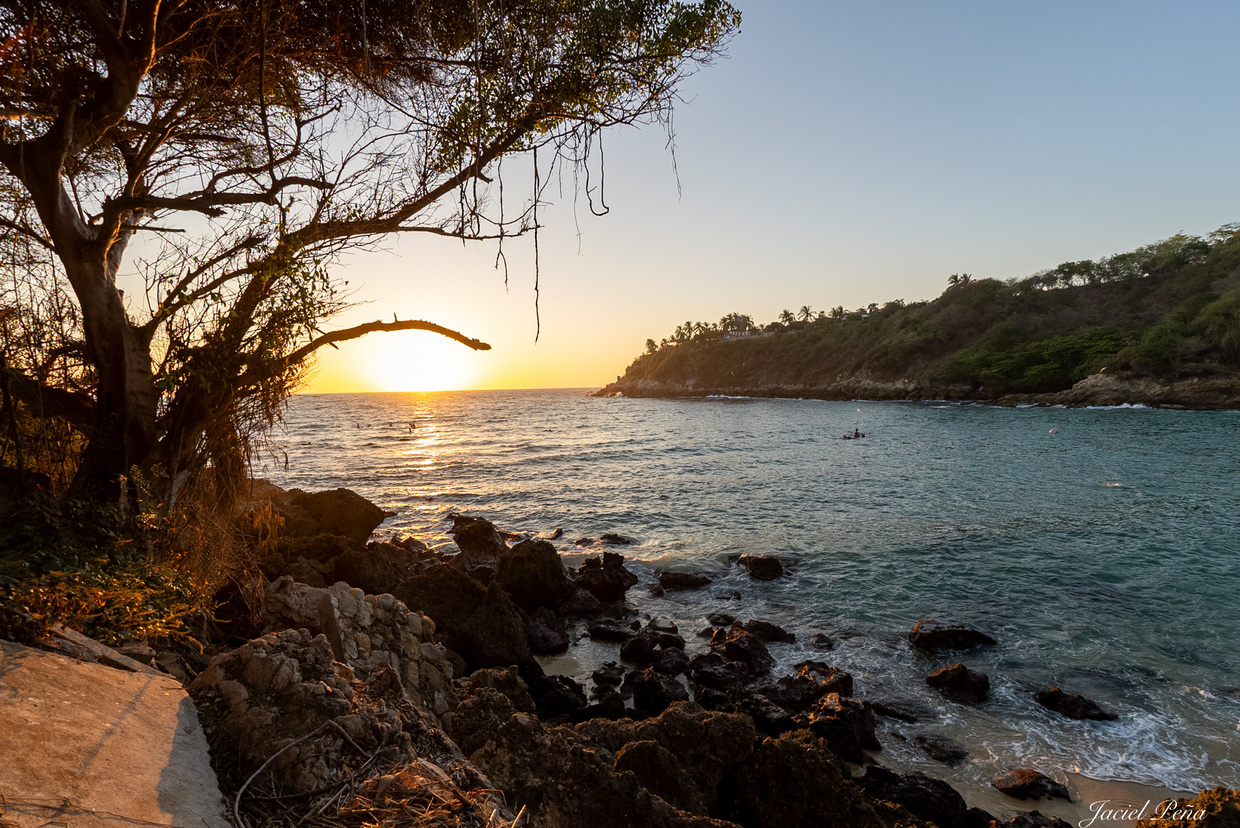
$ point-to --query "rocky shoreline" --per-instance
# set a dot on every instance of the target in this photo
(1212, 391)
(377, 677)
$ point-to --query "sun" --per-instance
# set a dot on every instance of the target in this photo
(417, 362)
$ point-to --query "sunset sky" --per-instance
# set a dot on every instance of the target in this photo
(845, 153)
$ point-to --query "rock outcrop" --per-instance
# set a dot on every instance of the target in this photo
(931, 635)
(1072, 705)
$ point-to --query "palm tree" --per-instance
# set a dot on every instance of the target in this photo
(953, 280)
(786, 317)
(806, 313)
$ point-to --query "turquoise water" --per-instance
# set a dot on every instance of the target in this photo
(1100, 546)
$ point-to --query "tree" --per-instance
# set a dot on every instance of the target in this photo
(246, 146)
(786, 317)
(651, 346)
(806, 313)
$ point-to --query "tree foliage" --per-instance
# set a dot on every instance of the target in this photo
(1166, 307)
(226, 155)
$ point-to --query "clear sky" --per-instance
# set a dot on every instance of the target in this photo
(844, 153)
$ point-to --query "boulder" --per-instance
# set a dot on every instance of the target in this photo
(768, 717)
(658, 772)
(931, 799)
(481, 623)
(678, 581)
(615, 540)
(546, 771)
(532, 574)
(378, 568)
(713, 671)
(846, 724)
(704, 745)
(762, 567)
(794, 780)
(580, 602)
(654, 692)
(556, 696)
(318, 547)
(960, 684)
(941, 749)
(339, 512)
(505, 680)
(606, 578)
(546, 632)
(720, 619)
(767, 631)
(744, 648)
(610, 631)
(931, 635)
(812, 681)
(481, 546)
(672, 662)
(610, 674)
(821, 641)
(1029, 784)
(1216, 808)
(1034, 819)
(641, 648)
(1072, 705)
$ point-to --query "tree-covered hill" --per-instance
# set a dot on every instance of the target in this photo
(1162, 321)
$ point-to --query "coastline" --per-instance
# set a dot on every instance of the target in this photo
(1201, 393)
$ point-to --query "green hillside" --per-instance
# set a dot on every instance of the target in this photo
(1164, 312)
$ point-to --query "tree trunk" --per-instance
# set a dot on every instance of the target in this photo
(126, 402)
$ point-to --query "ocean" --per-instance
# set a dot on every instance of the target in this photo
(1101, 547)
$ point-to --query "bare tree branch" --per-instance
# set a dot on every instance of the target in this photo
(377, 326)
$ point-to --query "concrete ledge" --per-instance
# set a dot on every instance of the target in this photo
(89, 745)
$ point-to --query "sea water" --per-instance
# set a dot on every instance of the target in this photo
(1101, 547)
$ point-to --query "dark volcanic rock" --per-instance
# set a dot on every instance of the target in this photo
(941, 749)
(614, 539)
(481, 623)
(714, 672)
(581, 602)
(792, 781)
(931, 635)
(1033, 819)
(339, 512)
(1218, 808)
(654, 692)
(478, 539)
(1029, 784)
(1072, 705)
(762, 567)
(767, 631)
(641, 648)
(546, 632)
(610, 631)
(506, 681)
(675, 581)
(548, 772)
(672, 662)
(812, 681)
(770, 718)
(379, 568)
(555, 695)
(705, 746)
(745, 648)
(531, 572)
(720, 619)
(846, 724)
(605, 577)
(821, 641)
(931, 799)
(610, 674)
(658, 771)
(959, 683)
